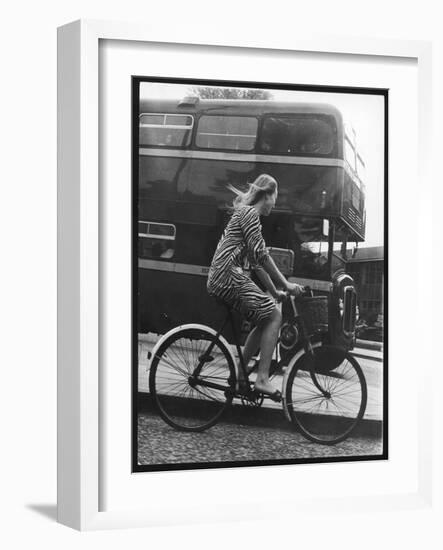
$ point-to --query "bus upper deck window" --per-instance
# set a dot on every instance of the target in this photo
(165, 130)
(350, 154)
(297, 135)
(361, 169)
(237, 133)
(156, 240)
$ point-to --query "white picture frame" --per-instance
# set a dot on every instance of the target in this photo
(79, 204)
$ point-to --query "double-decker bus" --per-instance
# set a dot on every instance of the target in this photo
(190, 150)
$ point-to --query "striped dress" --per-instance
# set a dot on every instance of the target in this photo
(242, 240)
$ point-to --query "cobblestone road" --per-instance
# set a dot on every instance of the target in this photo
(158, 443)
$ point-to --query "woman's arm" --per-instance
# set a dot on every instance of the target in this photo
(251, 229)
(276, 275)
(266, 281)
(259, 257)
(280, 279)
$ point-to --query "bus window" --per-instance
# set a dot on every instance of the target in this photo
(165, 130)
(297, 135)
(361, 169)
(156, 240)
(237, 133)
(310, 245)
(355, 194)
(350, 154)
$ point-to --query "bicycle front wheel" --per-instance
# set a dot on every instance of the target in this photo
(187, 397)
(326, 395)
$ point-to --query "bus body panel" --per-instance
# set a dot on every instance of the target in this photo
(199, 185)
(171, 298)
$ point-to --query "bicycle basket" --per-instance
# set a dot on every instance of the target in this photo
(314, 313)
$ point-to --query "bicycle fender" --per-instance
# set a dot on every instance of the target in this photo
(190, 326)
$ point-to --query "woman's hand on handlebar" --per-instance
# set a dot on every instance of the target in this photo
(295, 289)
(291, 289)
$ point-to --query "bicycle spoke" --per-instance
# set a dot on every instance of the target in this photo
(179, 353)
(174, 367)
(208, 395)
(329, 417)
(308, 399)
(186, 406)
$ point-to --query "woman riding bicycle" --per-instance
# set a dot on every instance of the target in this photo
(242, 240)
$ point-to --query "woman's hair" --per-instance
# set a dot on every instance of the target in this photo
(263, 185)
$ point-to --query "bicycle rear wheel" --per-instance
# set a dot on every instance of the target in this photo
(186, 402)
(331, 415)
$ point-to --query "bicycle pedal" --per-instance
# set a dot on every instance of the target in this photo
(205, 358)
(277, 396)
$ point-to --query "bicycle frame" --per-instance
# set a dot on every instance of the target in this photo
(205, 357)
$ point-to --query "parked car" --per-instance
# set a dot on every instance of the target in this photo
(365, 332)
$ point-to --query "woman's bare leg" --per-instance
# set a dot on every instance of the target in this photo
(252, 343)
(268, 342)
(251, 346)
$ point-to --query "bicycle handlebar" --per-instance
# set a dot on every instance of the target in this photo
(307, 291)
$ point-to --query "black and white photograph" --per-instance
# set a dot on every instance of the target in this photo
(259, 277)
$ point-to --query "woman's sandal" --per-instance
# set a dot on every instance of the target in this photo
(274, 396)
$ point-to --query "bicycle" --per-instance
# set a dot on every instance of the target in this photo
(193, 378)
